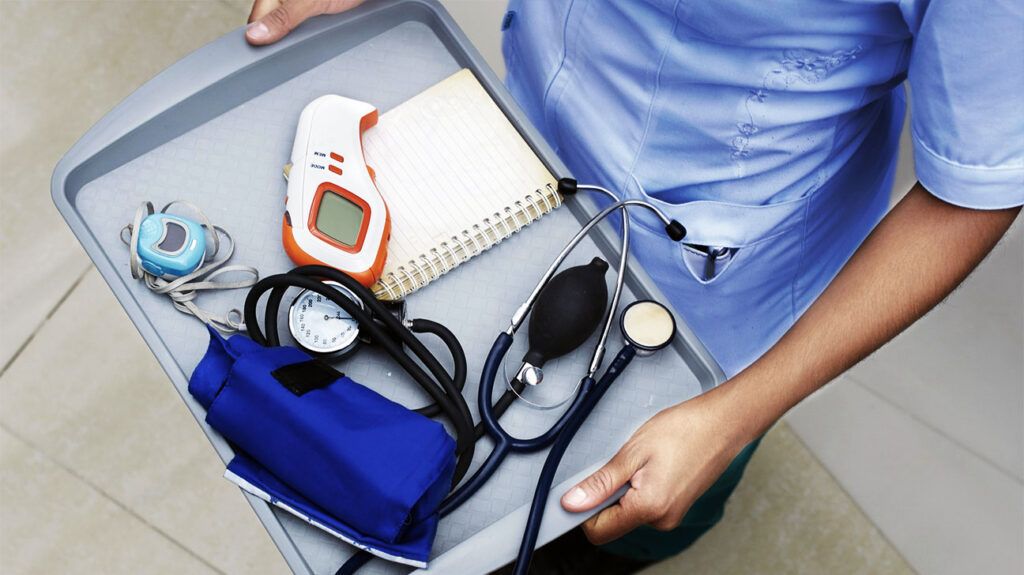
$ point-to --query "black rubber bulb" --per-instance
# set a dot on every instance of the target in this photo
(567, 312)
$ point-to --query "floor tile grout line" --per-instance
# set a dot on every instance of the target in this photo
(110, 498)
(63, 298)
(945, 435)
(849, 496)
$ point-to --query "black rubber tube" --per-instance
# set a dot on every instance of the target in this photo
(418, 326)
(393, 324)
(458, 360)
(378, 310)
(441, 387)
(354, 563)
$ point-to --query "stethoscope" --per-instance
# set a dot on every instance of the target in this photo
(589, 391)
(504, 442)
(646, 326)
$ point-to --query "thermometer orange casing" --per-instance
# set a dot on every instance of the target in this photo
(327, 158)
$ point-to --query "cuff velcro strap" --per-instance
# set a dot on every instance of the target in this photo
(306, 376)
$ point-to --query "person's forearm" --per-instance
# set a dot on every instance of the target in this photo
(916, 256)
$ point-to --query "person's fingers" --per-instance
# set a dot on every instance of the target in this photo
(272, 20)
(282, 20)
(618, 519)
(601, 484)
(261, 8)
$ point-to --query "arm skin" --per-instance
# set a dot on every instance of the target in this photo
(916, 256)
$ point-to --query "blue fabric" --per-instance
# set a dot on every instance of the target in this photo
(368, 467)
(771, 129)
(413, 548)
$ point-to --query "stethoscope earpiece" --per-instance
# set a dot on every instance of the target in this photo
(567, 186)
(675, 230)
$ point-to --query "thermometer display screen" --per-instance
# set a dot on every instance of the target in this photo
(339, 218)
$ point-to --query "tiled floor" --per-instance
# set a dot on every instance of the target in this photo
(102, 469)
(927, 435)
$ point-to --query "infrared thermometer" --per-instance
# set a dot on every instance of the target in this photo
(334, 214)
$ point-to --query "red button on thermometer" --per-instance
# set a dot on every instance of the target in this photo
(334, 214)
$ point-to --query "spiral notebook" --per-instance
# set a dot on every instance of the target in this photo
(458, 178)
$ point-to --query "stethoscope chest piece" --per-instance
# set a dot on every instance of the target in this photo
(648, 326)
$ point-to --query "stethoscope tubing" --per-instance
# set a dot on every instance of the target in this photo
(620, 278)
(520, 315)
(504, 442)
(557, 451)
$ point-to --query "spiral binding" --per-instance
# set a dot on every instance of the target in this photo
(414, 274)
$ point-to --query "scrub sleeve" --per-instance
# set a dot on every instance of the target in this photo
(967, 77)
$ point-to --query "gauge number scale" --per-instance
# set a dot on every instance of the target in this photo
(320, 326)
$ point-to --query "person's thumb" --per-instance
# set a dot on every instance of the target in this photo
(601, 485)
(281, 20)
(268, 25)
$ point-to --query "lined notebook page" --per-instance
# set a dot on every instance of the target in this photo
(449, 165)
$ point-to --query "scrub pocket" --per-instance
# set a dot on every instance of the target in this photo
(743, 302)
(766, 259)
(785, 254)
(707, 263)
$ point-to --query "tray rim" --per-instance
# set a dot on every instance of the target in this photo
(229, 56)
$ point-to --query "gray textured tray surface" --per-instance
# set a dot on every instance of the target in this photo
(231, 167)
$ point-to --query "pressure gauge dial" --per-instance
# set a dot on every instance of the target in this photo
(320, 326)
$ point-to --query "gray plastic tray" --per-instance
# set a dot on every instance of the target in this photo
(215, 129)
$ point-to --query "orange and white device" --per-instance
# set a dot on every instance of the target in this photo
(334, 214)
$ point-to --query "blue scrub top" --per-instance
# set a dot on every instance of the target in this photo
(770, 130)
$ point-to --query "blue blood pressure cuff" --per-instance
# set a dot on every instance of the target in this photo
(325, 448)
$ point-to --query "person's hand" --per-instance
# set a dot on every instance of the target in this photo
(669, 462)
(271, 20)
